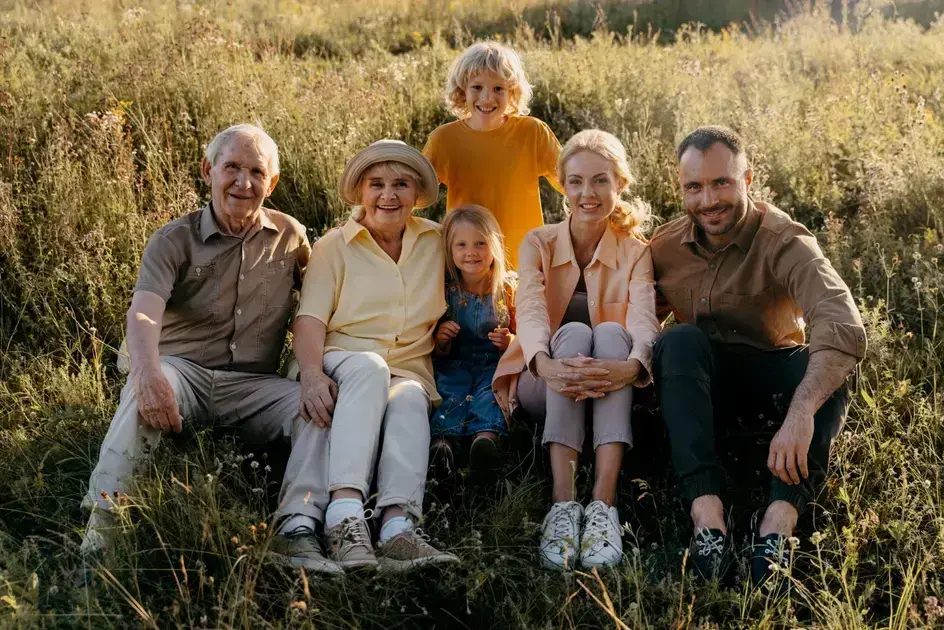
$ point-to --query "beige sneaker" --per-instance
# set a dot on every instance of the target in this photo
(349, 544)
(410, 549)
(302, 551)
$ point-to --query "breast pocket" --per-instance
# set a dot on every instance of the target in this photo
(278, 282)
(196, 288)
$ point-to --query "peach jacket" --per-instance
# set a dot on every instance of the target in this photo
(620, 288)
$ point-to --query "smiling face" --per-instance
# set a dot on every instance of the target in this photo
(240, 179)
(714, 191)
(388, 198)
(591, 187)
(486, 99)
(470, 251)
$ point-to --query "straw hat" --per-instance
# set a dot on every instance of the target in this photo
(389, 151)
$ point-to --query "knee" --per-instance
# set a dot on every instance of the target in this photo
(611, 341)
(370, 367)
(570, 340)
(682, 340)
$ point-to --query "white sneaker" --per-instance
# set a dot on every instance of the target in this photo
(560, 535)
(98, 532)
(601, 544)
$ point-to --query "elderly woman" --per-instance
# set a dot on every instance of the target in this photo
(363, 338)
(586, 326)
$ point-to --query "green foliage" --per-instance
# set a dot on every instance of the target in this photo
(104, 113)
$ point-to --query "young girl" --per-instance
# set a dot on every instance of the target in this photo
(478, 327)
(494, 155)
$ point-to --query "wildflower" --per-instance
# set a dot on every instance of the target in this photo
(794, 542)
(254, 465)
(817, 538)
(234, 540)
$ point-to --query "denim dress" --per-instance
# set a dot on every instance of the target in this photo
(464, 376)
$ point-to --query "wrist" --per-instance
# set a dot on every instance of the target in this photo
(540, 362)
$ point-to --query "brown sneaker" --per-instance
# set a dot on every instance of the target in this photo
(302, 551)
(410, 549)
(349, 544)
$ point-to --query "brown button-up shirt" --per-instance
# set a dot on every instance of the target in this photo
(760, 290)
(229, 299)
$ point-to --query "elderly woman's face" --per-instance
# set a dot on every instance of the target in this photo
(240, 179)
(591, 186)
(388, 198)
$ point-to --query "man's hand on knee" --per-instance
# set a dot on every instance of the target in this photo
(157, 403)
(790, 447)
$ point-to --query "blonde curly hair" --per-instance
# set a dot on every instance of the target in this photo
(488, 58)
(631, 215)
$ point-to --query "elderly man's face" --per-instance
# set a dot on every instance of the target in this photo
(714, 189)
(240, 179)
(388, 198)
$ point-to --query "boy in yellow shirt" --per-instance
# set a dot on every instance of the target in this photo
(495, 153)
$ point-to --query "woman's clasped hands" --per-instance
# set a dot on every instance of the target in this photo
(583, 377)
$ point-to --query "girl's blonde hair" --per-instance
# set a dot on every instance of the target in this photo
(484, 221)
(631, 216)
(488, 58)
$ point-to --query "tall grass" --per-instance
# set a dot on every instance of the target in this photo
(105, 108)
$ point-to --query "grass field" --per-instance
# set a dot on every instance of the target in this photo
(105, 108)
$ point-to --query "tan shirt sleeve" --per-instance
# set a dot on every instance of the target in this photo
(321, 286)
(160, 264)
(828, 308)
(532, 319)
(641, 322)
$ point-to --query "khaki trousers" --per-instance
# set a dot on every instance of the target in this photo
(565, 418)
(263, 406)
(380, 423)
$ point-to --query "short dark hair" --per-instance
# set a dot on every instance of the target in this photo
(703, 137)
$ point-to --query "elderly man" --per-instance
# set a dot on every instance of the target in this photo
(205, 332)
(742, 278)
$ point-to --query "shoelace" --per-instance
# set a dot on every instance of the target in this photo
(708, 544)
(773, 548)
(561, 523)
(421, 535)
(598, 519)
(353, 532)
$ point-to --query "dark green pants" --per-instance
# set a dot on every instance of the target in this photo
(701, 383)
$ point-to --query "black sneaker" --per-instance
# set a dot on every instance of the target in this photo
(710, 554)
(484, 455)
(441, 460)
(767, 551)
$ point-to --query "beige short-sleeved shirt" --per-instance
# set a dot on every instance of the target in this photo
(759, 291)
(228, 299)
(371, 304)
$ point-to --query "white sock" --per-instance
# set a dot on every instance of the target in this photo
(340, 509)
(396, 525)
(296, 522)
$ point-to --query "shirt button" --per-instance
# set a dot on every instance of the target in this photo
(593, 303)
(242, 277)
(704, 300)
(281, 263)
(589, 273)
(232, 346)
(712, 266)
(198, 271)
(239, 311)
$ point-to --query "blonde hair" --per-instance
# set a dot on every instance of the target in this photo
(488, 58)
(484, 221)
(631, 216)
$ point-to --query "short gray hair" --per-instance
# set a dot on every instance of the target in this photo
(263, 141)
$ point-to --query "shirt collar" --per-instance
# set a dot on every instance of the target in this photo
(414, 227)
(564, 248)
(743, 239)
(209, 226)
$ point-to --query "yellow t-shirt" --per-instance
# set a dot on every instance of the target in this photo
(371, 304)
(499, 170)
